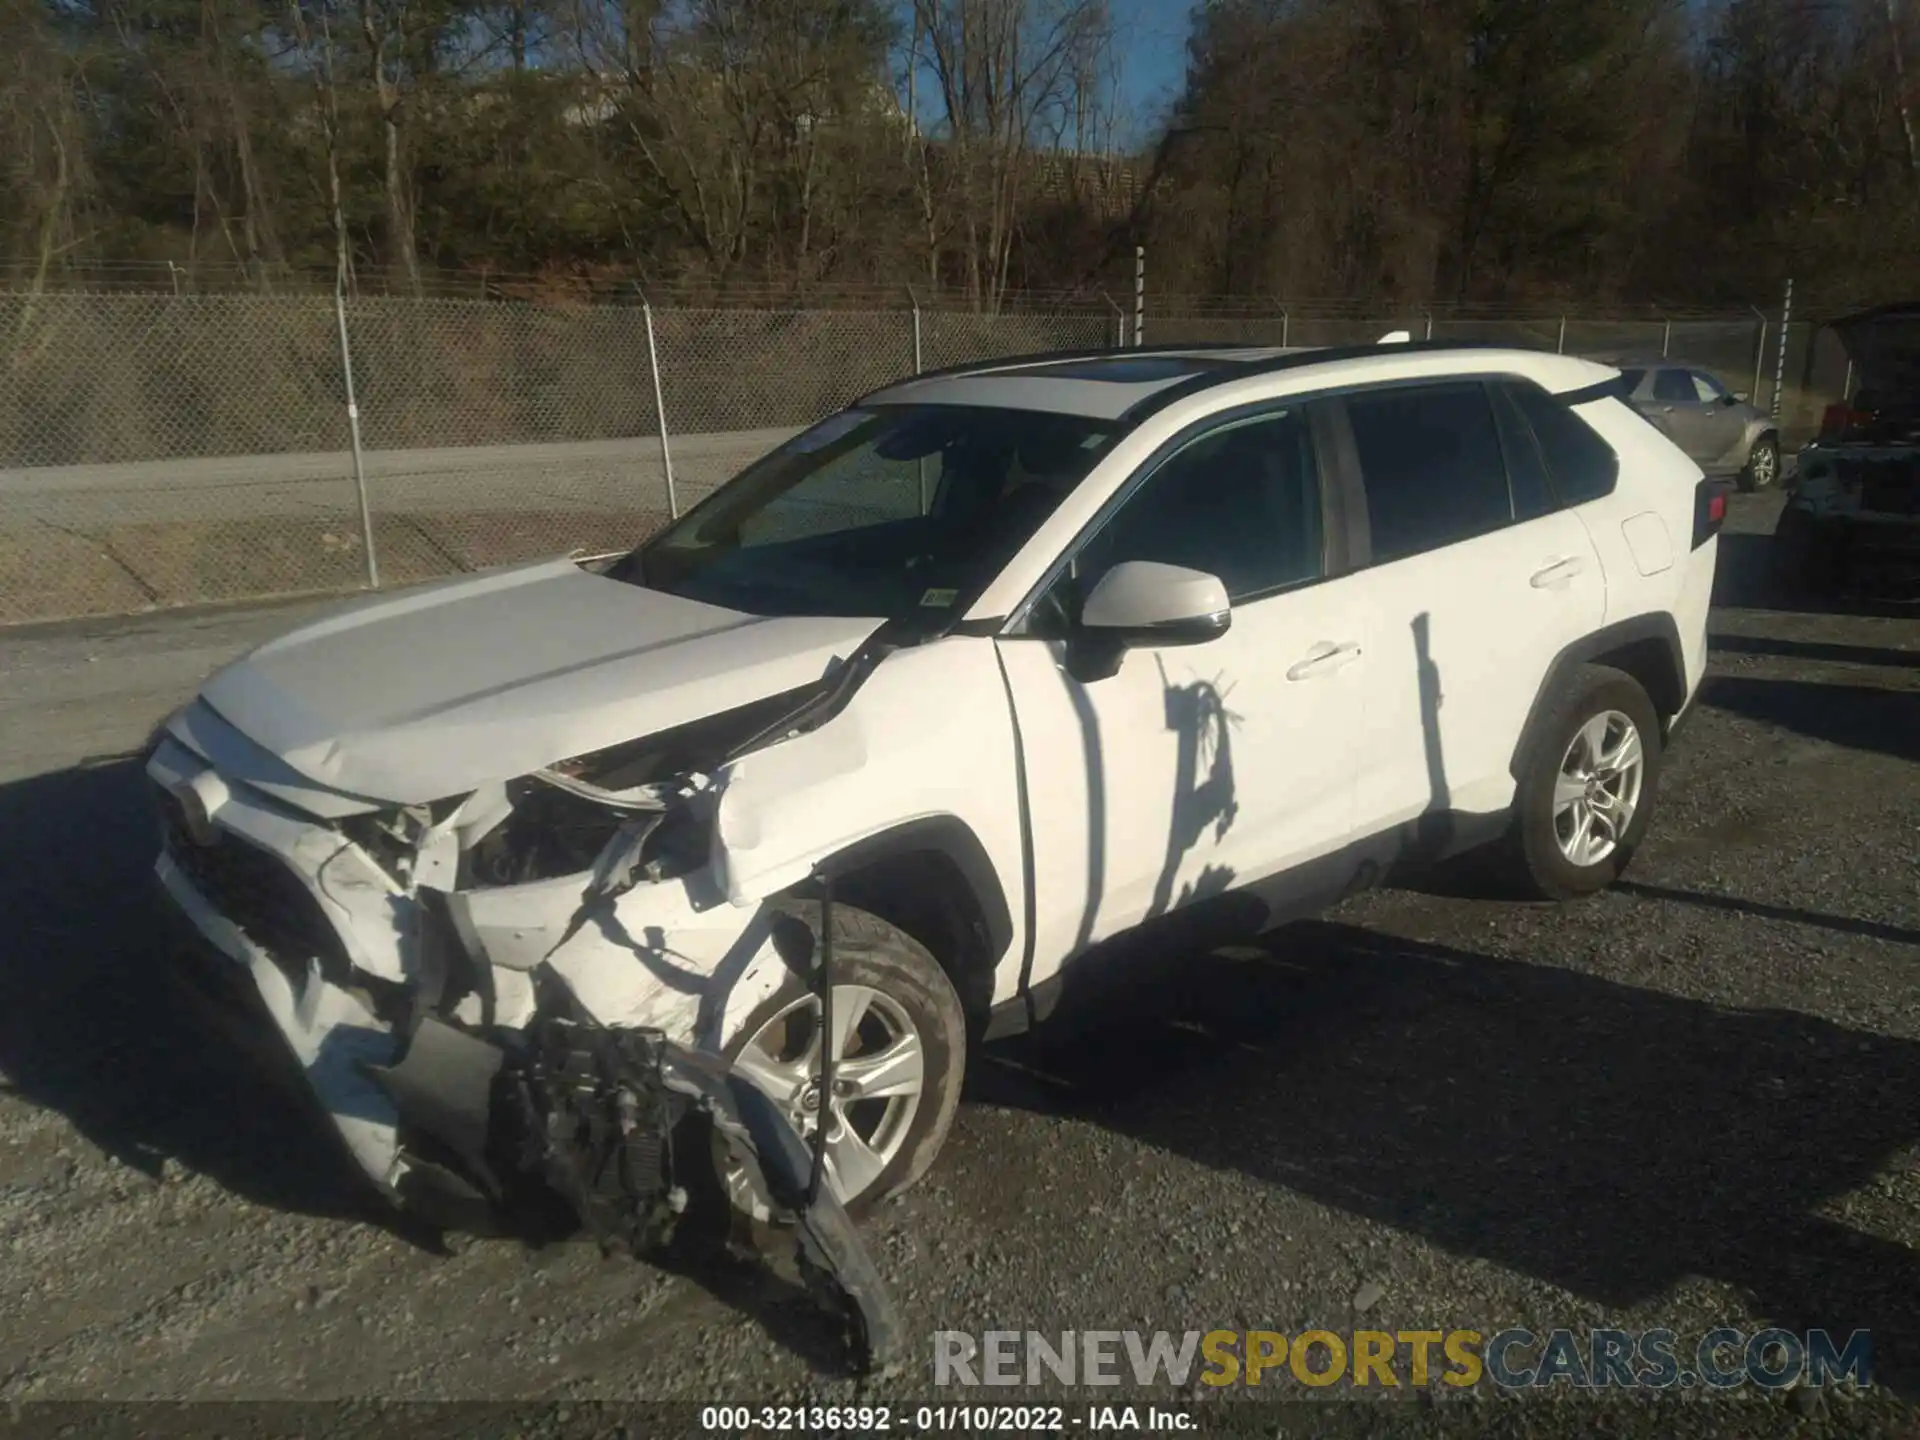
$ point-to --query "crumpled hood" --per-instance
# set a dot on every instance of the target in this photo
(435, 691)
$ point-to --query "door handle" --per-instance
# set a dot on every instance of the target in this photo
(1324, 659)
(1558, 574)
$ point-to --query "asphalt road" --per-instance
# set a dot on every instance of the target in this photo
(622, 474)
(1692, 1101)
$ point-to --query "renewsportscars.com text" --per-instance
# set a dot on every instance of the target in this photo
(1514, 1358)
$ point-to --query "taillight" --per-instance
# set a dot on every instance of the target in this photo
(1709, 511)
(1839, 418)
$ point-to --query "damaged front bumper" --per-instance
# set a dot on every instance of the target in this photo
(469, 1041)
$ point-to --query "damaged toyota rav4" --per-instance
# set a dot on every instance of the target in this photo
(764, 824)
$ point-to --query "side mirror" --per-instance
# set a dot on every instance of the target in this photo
(1142, 602)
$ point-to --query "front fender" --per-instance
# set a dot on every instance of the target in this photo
(923, 757)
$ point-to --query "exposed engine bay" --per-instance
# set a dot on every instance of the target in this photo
(518, 994)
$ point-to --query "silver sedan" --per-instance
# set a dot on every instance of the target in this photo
(1724, 434)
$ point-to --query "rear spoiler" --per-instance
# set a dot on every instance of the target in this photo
(1615, 387)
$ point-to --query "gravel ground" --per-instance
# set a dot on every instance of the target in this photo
(1692, 1101)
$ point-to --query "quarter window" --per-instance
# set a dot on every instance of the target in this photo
(1583, 466)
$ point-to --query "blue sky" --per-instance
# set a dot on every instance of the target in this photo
(1152, 40)
(1150, 43)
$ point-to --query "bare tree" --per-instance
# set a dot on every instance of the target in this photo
(202, 99)
(390, 29)
(320, 58)
(728, 105)
(1896, 41)
(1008, 76)
(45, 179)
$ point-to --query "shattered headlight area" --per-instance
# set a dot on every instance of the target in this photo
(553, 831)
(518, 1101)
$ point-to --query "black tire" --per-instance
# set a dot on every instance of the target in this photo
(1536, 864)
(868, 951)
(1749, 479)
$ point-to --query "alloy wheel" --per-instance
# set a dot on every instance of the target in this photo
(879, 1079)
(1598, 788)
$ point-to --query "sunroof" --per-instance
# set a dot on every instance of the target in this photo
(1129, 371)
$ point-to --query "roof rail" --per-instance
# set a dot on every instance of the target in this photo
(993, 363)
(1300, 360)
(1291, 358)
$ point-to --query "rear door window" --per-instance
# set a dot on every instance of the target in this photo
(1675, 387)
(1431, 464)
(1709, 390)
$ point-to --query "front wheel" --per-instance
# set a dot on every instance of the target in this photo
(1586, 796)
(1763, 465)
(899, 1048)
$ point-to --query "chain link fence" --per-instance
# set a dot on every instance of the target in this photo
(160, 449)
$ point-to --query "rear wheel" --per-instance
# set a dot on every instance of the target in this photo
(899, 1052)
(1586, 796)
(1763, 465)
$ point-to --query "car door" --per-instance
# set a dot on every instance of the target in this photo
(1194, 769)
(1722, 422)
(1678, 410)
(1478, 577)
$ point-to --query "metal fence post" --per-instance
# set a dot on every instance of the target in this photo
(1666, 338)
(1119, 320)
(1780, 361)
(914, 301)
(1286, 329)
(1139, 291)
(1560, 345)
(660, 410)
(1846, 386)
(353, 429)
(1759, 355)
(1429, 315)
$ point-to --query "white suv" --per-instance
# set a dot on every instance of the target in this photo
(998, 665)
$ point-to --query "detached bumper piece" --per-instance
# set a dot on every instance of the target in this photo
(599, 1117)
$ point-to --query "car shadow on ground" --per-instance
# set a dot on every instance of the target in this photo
(1789, 914)
(96, 1024)
(1609, 1140)
(1817, 650)
(1858, 717)
(1743, 578)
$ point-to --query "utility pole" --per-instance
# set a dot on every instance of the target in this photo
(1139, 291)
(1780, 362)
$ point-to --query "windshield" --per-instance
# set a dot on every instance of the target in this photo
(899, 512)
